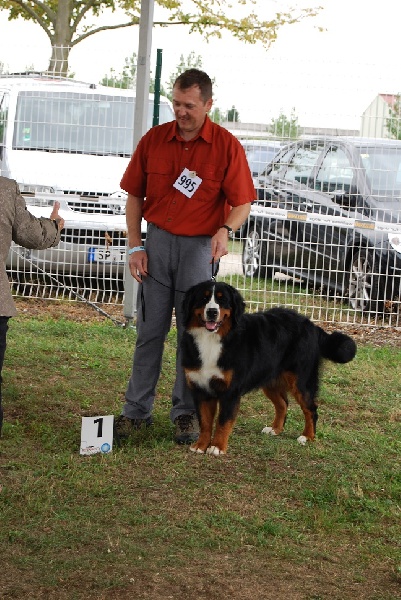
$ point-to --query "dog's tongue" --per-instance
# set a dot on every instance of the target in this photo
(211, 325)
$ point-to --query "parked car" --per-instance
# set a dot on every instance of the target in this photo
(259, 153)
(329, 213)
(92, 244)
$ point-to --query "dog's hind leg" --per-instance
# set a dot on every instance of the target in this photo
(225, 424)
(279, 398)
(309, 408)
(206, 410)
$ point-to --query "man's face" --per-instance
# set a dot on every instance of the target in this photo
(190, 109)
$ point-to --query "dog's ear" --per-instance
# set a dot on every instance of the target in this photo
(238, 306)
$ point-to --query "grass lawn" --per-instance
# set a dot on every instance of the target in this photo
(272, 519)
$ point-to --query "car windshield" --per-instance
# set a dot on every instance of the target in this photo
(78, 122)
(383, 169)
(258, 158)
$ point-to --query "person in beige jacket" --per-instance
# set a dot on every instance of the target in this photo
(17, 224)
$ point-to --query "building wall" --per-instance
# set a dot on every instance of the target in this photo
(374, 119)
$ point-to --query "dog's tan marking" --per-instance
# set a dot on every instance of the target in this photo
(222, 433)
(278, 397)
(309, 428)
(225, 318)
(207, 410)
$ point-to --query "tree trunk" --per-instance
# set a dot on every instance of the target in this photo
(61, 42)
(58, 64)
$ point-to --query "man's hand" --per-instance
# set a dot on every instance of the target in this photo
(238, 215)
(138, 265)
(219, 244)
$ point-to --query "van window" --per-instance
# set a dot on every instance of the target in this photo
(80, 123)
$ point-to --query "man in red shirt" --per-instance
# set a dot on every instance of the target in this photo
(190, 180)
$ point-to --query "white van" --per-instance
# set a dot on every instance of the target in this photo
(68, 137)
(71, 141)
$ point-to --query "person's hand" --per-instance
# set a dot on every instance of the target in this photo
(138, 265)
(219, 244)
(54, 216)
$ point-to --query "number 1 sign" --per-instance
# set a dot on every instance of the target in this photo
(97, 435)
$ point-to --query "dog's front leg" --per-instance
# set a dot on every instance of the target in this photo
(206, 409)
(225, 424)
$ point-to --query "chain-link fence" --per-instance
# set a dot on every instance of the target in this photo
(324, 235)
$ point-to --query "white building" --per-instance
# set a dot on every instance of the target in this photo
(374, 118)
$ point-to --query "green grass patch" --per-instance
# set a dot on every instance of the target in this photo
(271, 519)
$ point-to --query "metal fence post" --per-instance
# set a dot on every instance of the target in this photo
(140, 125)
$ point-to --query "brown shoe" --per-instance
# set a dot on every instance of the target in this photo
(124, 427)
(186, 429)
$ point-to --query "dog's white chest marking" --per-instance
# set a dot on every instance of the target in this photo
(209, 346)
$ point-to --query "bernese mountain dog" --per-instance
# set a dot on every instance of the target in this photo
(227, 353)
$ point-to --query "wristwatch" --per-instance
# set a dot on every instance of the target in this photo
(229, 229)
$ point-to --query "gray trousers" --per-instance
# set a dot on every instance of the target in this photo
(175, 263)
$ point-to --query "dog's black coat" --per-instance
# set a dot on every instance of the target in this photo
(277, 350)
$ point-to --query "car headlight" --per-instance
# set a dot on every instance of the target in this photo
(30, 189)
(395, 241)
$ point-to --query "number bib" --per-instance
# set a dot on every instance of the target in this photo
(187, 183)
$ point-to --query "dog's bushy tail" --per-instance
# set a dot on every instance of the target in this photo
(336, 346)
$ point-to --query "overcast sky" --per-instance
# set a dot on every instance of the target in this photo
(328, 77)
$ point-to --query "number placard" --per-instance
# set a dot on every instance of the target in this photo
(97, 435)
(187, 183)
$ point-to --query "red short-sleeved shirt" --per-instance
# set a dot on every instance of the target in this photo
(215, 156)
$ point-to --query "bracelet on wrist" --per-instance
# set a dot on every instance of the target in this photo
(136, 249)
(229, 229)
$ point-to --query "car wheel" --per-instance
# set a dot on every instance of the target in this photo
(364, 291)
(254, 252)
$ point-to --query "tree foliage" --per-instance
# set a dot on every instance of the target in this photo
(284, 127)
(126, 79)
(216, 115)
(67, 22)
(393, 123)
(233, 115)
(192, 61)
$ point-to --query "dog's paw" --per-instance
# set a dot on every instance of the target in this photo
(269, 431)
(196, 449)
(302, 440)
(214, 450)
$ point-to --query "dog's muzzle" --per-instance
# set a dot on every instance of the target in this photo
(211, 316)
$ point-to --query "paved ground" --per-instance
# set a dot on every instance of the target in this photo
(231, 264)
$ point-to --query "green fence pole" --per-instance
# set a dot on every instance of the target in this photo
(156, 105)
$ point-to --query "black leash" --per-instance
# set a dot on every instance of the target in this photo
(215, 268)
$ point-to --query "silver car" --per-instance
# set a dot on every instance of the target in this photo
(92, 245)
